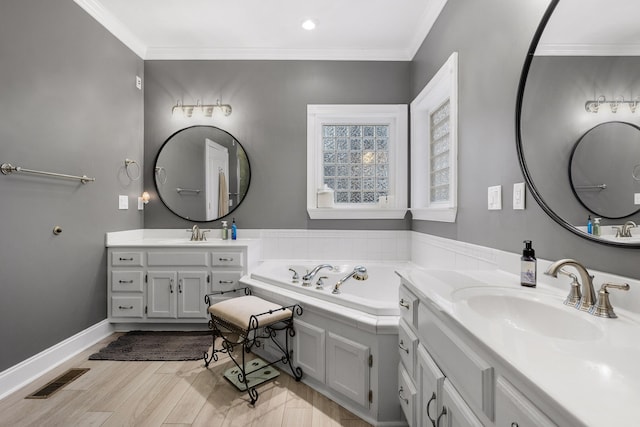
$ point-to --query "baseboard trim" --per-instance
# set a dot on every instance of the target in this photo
(28, 370)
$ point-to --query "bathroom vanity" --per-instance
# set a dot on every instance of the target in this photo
(477, 349)
(153, 279)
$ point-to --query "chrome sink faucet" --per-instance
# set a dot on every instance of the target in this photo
(308, 278)
(198, 235)
(588, 298)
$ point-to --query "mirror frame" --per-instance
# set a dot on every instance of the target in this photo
(155, 177)
(519, 147)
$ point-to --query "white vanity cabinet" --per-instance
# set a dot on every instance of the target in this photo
(158, 284)
(461, 383)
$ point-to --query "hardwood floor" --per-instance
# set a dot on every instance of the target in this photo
(168, 394)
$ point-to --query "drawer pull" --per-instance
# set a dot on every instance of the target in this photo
(171, 286)
(404, 304)
(180, 286)
(225, 259)
(125, 307)
(126, 259)
(227, 282)
(514, 424)
(125, 281)
(433, 399)
(402, 347)
(444, 412)
(401, 396)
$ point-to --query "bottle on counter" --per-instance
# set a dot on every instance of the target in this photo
(589, 225)
(596, 227)
(225, 231)
(234, 230)
(528, 266)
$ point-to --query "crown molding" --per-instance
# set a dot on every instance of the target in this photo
(169, 53)
(113, 25)
(428, 19)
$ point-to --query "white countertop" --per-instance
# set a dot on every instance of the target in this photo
(594, 375)
(173, 238)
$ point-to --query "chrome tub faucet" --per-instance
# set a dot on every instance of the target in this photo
(359, 273)
(308, 278)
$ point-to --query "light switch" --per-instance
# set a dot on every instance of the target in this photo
(123, 202)
(494, 198)
(518, 196)
(636, 198)
(140, 204)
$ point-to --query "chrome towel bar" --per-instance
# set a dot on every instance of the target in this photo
(8, 168)
(186, 190)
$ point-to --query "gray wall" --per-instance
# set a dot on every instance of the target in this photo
(269, 100)
(68, 104)
(492, 38)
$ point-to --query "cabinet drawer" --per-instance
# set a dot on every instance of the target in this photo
(407, 346)
(126, 281)
(125, 306)
(196, 259)
(225, 280)
(126, 258)
(432, 380)
(407, 395)
(227, 259)
(471, 375)
(408, 306)
(514, 409)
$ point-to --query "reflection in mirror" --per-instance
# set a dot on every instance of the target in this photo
(602, 169)
(587, 50)
(202, 173)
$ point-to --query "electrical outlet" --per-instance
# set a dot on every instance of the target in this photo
(139, 82)
(123, 202)
(518, 196)
(494, 198)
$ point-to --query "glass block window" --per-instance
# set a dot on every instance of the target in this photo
(356, 161)
(439, 153)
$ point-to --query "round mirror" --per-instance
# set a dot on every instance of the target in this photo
(202, 173)
(603, 168)
(580, 83)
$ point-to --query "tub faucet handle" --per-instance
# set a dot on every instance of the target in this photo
(320, 283)
(295, 278)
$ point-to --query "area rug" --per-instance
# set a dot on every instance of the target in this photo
(153, 345)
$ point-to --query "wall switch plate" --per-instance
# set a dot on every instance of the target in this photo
(518, 196)
(139, 82)
(494, 198)
(636, 198)
(140, 204)
(123, 202)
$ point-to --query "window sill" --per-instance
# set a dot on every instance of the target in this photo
(435, 214)
(356, 213)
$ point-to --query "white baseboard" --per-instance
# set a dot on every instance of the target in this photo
(28, 370)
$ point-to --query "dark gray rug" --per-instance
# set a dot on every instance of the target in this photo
(152, 345)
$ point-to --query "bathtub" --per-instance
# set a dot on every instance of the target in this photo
(377, 295)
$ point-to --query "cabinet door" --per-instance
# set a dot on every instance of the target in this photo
(161, 294)
(309, 350)
(514, 409)
(430, 384)
(348, 368)
(455, 412)
(192, 287)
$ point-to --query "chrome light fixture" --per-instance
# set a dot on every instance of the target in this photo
(595, 105)
(200, 110)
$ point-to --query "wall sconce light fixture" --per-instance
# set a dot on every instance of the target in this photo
(200, 110)
(145, 197)
(595, 105)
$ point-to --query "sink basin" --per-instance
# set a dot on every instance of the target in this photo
(527, 312)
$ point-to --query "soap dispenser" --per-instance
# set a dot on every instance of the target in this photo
(596, 227)
(225, 231)
(528, 266)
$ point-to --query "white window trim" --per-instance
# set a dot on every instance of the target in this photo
(396, 116)
(443, 86)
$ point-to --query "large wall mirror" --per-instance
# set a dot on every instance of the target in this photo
(577, 117)
(202, 173)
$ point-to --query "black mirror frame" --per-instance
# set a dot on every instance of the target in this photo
(519, 148)
(155, 178)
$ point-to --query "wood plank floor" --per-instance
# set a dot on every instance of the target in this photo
(168, 394)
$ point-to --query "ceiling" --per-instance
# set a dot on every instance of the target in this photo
(380, 30)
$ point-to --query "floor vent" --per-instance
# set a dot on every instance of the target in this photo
(57, 383)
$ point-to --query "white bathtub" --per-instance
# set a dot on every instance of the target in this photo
(377, 295)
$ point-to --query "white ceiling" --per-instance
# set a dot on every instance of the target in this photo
(268, 29)
(592, 27)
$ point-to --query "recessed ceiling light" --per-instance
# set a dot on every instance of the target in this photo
(309, 24)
